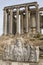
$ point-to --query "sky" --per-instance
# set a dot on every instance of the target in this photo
(4, 3)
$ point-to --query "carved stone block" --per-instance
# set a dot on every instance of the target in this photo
(34, 54)
(18, 52)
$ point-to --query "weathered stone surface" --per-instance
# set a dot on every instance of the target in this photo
(20, 63)
(20, 52)
(34, 54)
(41, 50)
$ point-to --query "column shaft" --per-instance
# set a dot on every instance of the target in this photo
(37, 21)
(21, 19)
(5, 23)
(27, 22)
(33, 24)
(29, 27)
(11, 21)
(18, 22)
(33, 21)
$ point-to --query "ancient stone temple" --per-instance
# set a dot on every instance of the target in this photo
(22, 41)
(22, 18)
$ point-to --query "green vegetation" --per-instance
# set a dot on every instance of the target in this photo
(41, 38)
(37, 35)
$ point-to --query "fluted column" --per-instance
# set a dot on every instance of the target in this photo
(18, 22)
(37, 21)
(27, 22)
(33, 23)
(5, 23)
(29, 27)
(21, 19)
(11, 21)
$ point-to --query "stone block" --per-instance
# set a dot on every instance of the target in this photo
(18, 52)
(34, 54)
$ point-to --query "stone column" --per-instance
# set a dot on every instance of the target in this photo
(27, 22)
(18, 22)
(5, 23)
(37, 21)
(11, 21)
(21, 19)
(33, 23)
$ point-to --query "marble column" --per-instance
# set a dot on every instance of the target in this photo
(8, 22)
(5, 23)
(37, 21)
(34, 23)
(27, 22)
(21, 19)
(29, 27)
(11, 21)
(18, 22)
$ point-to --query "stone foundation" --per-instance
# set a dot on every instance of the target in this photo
(20, 63)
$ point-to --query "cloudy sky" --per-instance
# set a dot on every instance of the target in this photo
(4, 3)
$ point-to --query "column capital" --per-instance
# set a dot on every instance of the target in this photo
(18, 7)
(26, 6)
(9, 10)
(36, 5)
(5, 10)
